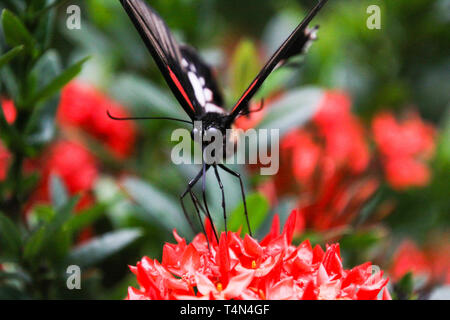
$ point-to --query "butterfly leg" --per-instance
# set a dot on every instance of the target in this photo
(197, 205)
(242, 192)
(189, 190)
(186, 215)
(204, 169)
(223, 197)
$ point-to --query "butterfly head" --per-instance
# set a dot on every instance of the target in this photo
(210, 125)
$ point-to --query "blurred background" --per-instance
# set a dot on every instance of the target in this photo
(365, 139)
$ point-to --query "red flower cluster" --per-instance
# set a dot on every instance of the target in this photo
(5, 157)
(433, 264)
(74, 164)
(334, 141)
(236, 268)
(324, 163)
(404, 147)
(84, 107)
(9, 110)
(10, 114)
(344, 136)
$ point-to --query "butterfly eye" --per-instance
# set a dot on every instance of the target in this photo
(194, 133)
(212, 132)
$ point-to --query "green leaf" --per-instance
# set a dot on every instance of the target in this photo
(9, 292)
(11, 54)
(58, 191)
(45, 30)
(361, 240)
(85, 218)
(47, 68)
(34, 244)
(258, 208)
(40, 7)
(17, 6)
(9, 81)
(293, 110)
(44, 235)
(16, 275)
(41, 127)
(278, 80)
(43, 213)
(58, 82)
(15, 31)
(405, 287)
(102, 247)
(160, 208)
(10, 240)
(144, 97)
(244, 67)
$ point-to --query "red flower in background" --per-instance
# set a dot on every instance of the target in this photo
(10, 114)
(323, 164)
(344, 136)
(256, 114)
(74, 164)
(85, 107)
(404, 147)
(5, 157)
(9, 110)
(237, 268)
(439, 255)
(408, 258)
(432, 264)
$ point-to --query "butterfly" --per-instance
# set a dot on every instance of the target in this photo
(194, 86)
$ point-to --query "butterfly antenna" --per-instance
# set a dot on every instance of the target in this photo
(145, 118)
(261, 106)
(247, 112)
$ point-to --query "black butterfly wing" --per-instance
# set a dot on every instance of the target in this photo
(205, 87)
(302, 45)
(295, 44)
(171, 58)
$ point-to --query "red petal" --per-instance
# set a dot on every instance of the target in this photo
(210, 232)
(133, 269)
(274, 231)
(177, 237)
(318, 254)
(238, 283)
(224, 259)
(190, 261)
(252, 247)
(289, 227)
(386, 294)
(371, 291)
(204, 284)
(357, 275)
(146, 282)
(310, 292)
(332, 262)
(283, 290)
(135, 294)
